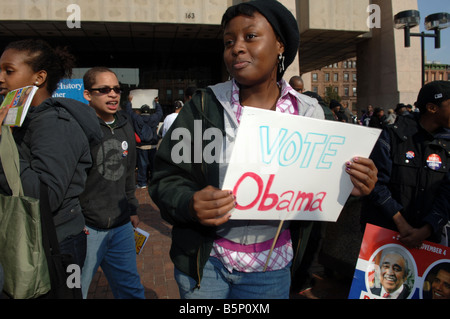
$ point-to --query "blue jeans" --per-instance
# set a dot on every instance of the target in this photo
(75, 246)
(219, 283)
(144, 165)
(113, 250)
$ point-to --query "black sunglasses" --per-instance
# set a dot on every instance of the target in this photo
(106, 90)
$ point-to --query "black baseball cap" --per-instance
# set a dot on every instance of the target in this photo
(434, 92)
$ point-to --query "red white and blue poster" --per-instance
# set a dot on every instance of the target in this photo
(387, 269)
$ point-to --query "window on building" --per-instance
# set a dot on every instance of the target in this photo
(354, 77)
(315, 77)
(354, 64)
(336, 65)
(169, 95)
(327, 77)
(344, 64)
(346, 91)
(354, 91)
(316, 89)
(335, 77)
(346, 77)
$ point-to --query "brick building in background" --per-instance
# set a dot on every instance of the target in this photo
(437, 72)
(341, 77)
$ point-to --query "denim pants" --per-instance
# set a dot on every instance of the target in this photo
(113, 250)
(76, 247)
(144, 165)
(219, 283)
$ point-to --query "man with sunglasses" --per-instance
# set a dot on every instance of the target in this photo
(412, 195)
(109, 203)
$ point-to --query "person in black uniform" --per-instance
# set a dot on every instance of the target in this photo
(412, 195)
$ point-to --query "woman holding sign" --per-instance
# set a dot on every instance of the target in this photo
(216, 257)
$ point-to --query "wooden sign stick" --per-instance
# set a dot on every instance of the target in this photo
(273, 244)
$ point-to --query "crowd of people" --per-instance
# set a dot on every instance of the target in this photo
(376, 117)
(371, 117)
(87, 156)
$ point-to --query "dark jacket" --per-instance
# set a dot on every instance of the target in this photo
(173, 186)
(139, 120)
(403, 295)
(53, 145)
(377, 122)
(109, 197)
(413, 177)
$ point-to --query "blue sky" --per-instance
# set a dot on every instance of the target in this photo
(427, 7)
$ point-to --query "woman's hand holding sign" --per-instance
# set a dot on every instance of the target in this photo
(363, 174)
(211, 206)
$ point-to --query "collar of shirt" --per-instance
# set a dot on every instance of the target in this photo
(287, 103)
(392, 295)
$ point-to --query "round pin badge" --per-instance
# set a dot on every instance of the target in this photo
(410, 155)
(434, 161)
(124, 145)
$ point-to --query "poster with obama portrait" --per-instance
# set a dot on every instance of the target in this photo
(387, 269)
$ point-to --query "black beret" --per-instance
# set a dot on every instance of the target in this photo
(283, 23)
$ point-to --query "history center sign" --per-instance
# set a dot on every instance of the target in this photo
(70, 88)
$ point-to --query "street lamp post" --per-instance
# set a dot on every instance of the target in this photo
(410, 18)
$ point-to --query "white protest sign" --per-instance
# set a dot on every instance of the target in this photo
(141, 97)
(293, 167)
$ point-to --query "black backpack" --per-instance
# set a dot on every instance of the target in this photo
(148, 134)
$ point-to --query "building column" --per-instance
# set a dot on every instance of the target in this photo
(388, 73)
(294, 68)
